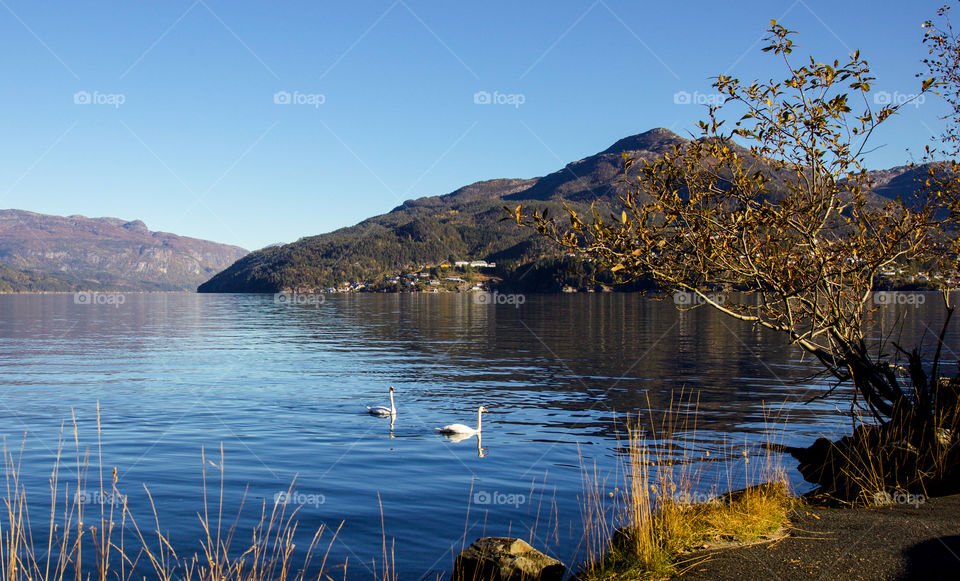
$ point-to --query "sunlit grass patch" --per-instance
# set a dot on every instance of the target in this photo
(660, 520)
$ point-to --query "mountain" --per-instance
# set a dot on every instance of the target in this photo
(14, 280)
(43, 252)
(464, 224)
(599, 176)
(467, 225)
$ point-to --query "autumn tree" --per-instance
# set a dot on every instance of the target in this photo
(777, 204)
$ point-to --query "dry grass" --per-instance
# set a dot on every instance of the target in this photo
(655, 522)
(81, 545)
(882, 460)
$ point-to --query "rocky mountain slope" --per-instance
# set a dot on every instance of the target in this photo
(467, 225)
(43, 252)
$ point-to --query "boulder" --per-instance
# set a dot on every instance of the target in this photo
(505, 559)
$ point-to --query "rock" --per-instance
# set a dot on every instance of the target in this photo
(505, 559)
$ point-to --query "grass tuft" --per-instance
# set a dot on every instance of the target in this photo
(659, 527)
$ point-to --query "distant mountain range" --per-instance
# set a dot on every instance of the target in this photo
(39, 252)
(466, 225)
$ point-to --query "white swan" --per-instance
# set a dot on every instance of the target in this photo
(382, 411)
(481, 451)
(462, 429)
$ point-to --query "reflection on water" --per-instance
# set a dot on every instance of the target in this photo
(284, 389)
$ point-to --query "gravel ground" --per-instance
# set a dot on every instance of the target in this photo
(904, 541)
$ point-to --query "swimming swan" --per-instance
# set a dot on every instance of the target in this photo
(381, 411)
(462, 429)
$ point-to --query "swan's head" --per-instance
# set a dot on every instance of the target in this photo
(483, 410)
(391, 389)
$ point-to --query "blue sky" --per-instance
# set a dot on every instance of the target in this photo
(258, 122)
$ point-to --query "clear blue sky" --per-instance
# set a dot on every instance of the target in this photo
(165, 111)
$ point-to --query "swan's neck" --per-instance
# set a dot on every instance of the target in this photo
(479, 419)
(392, 408)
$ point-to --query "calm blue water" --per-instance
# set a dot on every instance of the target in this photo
(282, 388)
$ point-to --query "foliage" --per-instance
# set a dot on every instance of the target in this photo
(787, 218)
(384, 245)
(943, 65)
(13, 280)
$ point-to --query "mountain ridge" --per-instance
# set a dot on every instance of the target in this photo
(466, 224)
(79, 253)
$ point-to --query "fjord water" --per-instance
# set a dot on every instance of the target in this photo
(282, 388)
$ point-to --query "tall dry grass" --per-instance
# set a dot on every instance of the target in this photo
(657, 513)
(881, 461)
(80, 545)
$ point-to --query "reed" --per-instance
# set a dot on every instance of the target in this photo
(652, 527)
(904, 458)
(83, 546)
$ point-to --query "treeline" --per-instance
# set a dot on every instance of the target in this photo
(385, 245)
(18, 281)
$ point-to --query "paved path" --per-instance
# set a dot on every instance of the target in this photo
(898, 542)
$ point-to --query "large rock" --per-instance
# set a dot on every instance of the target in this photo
(505, 559)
